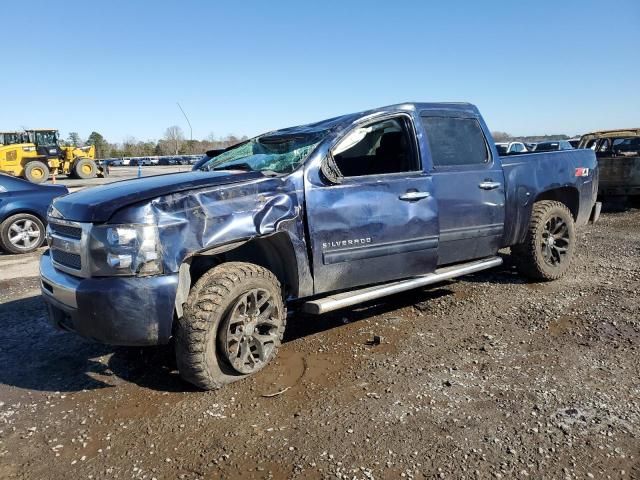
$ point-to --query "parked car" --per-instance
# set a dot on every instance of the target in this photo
(23, 213)
(167, 161)
(113, 162)
(618, 154)
(142, 161)
(552, 146)
(510, 148)
(317, 217)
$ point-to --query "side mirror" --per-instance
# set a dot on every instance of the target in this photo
(330, 171)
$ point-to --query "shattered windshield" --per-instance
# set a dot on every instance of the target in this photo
(279, 152)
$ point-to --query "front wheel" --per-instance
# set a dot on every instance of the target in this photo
(232, 326)
(548, 248)
(21, 233)
(84, 168)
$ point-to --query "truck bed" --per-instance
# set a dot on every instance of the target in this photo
(528, 176)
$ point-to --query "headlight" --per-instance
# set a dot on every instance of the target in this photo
(125, 250)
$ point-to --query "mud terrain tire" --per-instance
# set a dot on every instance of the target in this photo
(547, 250)
(226, 333)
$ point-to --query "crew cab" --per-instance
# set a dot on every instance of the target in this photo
(317, 217)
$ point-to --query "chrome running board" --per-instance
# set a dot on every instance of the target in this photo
(353, 297)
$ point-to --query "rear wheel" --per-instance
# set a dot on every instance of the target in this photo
(36, 171)
(548, 248)
(21, 233)
(232, 326)
(84, 168)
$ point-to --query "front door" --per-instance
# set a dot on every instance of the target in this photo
(468, 184)
(377, 219)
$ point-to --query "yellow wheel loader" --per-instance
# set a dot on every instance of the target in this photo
(35, 154)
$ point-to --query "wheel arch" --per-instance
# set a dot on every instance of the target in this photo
(274, 252)
(26, 210)
(517, 222)
(568, 195)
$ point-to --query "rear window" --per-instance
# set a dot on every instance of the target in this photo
(455, 141)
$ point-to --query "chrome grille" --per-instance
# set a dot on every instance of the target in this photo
(71, 260)
(68, 242)
(67, 230)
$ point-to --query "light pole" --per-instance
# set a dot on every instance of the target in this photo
(190, 128)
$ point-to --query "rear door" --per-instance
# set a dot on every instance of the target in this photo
(377, 219)
(468, 184)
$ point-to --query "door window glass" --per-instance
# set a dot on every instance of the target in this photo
(455, 141)
(375, 149)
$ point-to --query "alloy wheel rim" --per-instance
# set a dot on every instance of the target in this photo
(555, 241)
(251, 331)
(24, 234)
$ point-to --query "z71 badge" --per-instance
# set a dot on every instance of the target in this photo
(354, 242)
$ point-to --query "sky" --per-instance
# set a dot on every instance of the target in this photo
(244, 67)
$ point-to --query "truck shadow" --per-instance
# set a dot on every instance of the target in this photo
(507, 273)
(303, 325)
(35, 356)
(619, 204)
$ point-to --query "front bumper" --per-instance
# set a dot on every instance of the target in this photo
(112, 310)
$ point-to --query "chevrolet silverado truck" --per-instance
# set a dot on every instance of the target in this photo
(317, 218)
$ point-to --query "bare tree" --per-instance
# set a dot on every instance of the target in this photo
(501, 136)
(129, 146)
(174, 136)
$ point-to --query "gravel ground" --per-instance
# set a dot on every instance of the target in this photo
(486, 377)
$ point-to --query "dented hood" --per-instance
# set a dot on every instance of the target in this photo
(98, 204)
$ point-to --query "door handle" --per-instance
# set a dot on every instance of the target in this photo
(489, 185)
(413, 196)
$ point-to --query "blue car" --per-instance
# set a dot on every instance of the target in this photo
(23, 213)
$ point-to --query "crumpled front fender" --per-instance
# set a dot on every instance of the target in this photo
(196, 221)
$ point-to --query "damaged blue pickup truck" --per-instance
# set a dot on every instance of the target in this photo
(316, 217)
